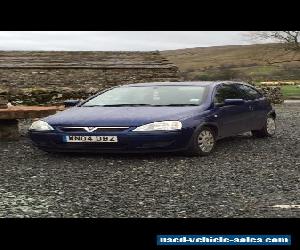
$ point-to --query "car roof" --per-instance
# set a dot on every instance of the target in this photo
(189, 83)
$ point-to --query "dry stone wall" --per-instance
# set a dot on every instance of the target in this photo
(78, 78)
(273, 93)
(45, 78)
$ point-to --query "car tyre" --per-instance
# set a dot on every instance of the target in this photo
(203, 142)
(268, 129)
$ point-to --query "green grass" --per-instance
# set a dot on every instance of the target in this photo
(247, 62)
(290, 92)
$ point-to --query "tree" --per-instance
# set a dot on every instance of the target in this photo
(291, 39)
(289, 50)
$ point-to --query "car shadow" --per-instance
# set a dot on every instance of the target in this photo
(245, 136)
(119, 156)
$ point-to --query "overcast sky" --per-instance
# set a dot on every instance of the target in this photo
(117, 40)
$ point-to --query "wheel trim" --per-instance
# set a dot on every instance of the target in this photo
(206, 141)
(271, 126)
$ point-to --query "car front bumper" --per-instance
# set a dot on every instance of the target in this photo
(127, 142)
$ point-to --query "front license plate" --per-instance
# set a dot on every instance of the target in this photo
(79, 138)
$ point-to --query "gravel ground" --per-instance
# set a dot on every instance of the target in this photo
(244, 177)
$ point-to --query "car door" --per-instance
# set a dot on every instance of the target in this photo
(256, 104)
(231, 119)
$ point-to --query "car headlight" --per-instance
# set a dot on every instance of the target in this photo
(40, 126)
(160, 126)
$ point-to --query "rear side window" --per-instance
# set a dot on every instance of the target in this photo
(248, 92)
(226, 92)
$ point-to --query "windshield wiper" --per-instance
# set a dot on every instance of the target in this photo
(127, 105)
(175, 105)
(140, 104)
(91, 106)
(116, 105)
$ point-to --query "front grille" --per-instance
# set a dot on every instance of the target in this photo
(92, 129)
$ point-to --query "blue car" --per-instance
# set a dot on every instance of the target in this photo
(157, 117)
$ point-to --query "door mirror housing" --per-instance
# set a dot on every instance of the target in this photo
(71, 103)
(234, 102)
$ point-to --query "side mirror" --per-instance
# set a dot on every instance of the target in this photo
(71, 103)
(234, 102)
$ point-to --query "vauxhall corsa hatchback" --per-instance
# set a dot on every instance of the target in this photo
(157, 117)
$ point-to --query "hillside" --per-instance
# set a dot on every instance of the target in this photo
(258, 62)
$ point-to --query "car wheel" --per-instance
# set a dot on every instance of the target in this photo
(268, 129)
(203, 142)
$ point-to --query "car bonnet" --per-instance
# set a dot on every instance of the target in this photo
(120, 116)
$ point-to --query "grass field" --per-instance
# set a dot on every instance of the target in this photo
(257, 62)
(290, 92)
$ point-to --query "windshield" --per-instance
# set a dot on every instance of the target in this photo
(150, 96)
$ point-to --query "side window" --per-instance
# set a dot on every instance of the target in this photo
(249, 93)
(226, 92)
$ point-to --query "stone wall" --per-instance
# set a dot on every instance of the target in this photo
(274, 94)
(46, 96)
(3, 100)
(77, 78)
(45, 78)
(53, 86)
